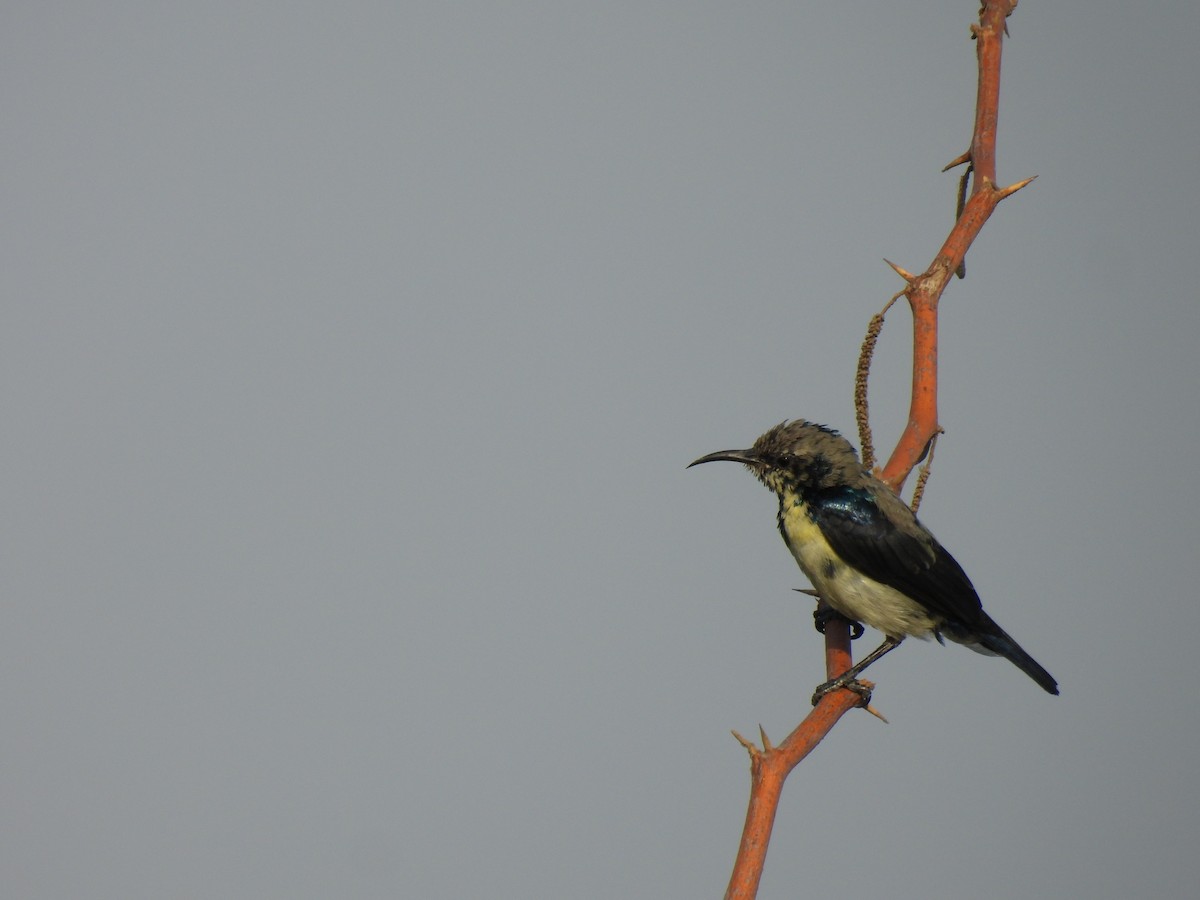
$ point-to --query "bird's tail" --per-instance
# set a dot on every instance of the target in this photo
(994, 638)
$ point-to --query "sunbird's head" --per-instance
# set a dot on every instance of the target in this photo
(795, 455)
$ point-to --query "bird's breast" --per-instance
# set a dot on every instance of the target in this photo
(846, 589)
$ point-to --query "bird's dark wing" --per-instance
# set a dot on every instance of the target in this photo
(873, 531)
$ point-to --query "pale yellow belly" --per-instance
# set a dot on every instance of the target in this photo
(849, 592)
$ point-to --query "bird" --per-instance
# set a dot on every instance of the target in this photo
(865, 552)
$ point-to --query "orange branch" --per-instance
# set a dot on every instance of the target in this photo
(924, 291)
(770, 766)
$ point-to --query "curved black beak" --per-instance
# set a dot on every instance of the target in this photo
(745, 457)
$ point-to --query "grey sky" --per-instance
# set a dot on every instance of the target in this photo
(352, 356)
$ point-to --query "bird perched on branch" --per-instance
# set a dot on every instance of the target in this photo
(866, 553)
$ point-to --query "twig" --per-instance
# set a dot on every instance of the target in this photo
(923, 473)
(862, 376)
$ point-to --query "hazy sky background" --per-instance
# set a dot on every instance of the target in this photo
(352, 356)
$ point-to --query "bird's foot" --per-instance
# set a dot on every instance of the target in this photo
(862, 688)
(823, 615)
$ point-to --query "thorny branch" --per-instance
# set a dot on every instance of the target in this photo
(770, 765)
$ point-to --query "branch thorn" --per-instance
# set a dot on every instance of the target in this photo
(766, 740)
(1012, 189)
(907, 276)
(877, 714)
(750, 748)
(957, 161)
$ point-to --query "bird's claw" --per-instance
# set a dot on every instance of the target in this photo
(862, 688)
(823, 615)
